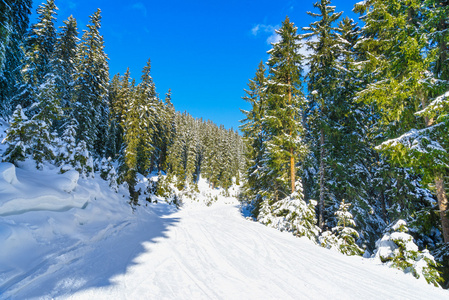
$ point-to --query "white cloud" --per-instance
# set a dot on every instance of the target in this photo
(262, 29)
(274, 38)
(139, 6)
(305, 51)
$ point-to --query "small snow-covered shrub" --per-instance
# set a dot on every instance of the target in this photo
(108, 173)
(291, 214)
(344, 234)
(162, 187)
(397, 249)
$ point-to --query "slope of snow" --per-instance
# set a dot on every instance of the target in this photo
(89, 244)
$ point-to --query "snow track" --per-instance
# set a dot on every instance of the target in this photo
(214, 253)
(207, 253)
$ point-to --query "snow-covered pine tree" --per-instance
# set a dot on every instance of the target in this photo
(322, 41)
(83, 160)
(91, 87)
(283, 118)
(167, 130)
(17, 137)
(39, 48)
(254, 136)
(292, 214)
(65, 68)
(47, 111)
(108, 173)
(66, 149)
(148, 103)
(14, 19)
(397, 249)
(345, 231)
(34, 137)
(115, 130)
(401, 82)
(72, 155)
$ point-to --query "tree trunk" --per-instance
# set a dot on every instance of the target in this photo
(443, 206)
(292, 170)
(383, 204)
(292, 152)
(321, 204)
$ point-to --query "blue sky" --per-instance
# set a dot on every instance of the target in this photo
(205, 51)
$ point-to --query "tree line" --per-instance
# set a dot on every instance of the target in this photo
(63, 108)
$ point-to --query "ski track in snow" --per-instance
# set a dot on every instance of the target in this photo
(209, 253)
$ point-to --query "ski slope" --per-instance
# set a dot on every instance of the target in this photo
(93, 246)
(214, 253)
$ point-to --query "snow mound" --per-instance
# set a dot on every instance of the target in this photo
(8, 173)
(25, 191)
(68, 181)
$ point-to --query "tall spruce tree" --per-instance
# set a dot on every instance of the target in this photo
(39, 48)
(322, 81)
(65, 66)
(282, 121)
(91, 87)
(254, 136)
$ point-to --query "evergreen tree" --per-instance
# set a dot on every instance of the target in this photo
(397, 249)
(148, 104)
(345, 231)
(65, 65)
(292, 214)
(91, 87)
(401, 83)
(39, 48)
(282, 121)
(17, 137)
(322, 82)
(14, 19)
(254, 136)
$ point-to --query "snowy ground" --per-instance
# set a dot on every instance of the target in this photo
(64, 237)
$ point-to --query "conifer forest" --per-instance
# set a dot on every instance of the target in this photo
(347, 145)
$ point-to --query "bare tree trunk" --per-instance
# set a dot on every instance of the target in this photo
(292, 152)
(443, 206)
(321, 204)
(383, 204)
(292, 170)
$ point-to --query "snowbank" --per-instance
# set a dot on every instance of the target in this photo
(23, 191)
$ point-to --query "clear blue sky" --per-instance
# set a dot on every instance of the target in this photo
(205, 51)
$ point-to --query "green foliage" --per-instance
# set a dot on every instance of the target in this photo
(398, 250)
(291, 214)
(17, 137)
(343, 236)
(91, 87)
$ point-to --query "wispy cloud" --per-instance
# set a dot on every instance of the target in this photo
(305, 51)
(263, 30)
(139, 6)
(71, 4)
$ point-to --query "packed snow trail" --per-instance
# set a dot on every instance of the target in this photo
(215, 253)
